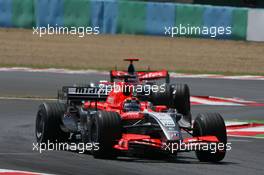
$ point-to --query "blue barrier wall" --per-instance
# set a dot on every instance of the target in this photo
(217, 17)
(125, 17)
(5, 13)
(49, 12)
(158, 16)
(17, 13)
(110, 17)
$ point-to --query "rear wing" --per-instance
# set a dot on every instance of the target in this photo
(142, 75)
(79, 94)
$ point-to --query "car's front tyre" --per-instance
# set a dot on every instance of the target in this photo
(105, 130)
(210, 124)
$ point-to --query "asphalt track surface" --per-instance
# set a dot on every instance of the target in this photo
(17, 119)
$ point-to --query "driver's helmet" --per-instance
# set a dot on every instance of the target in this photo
(131, 104)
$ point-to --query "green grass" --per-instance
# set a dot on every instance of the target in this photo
(219, 72)
(260, 135)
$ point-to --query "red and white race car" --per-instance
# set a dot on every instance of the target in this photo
(125, 123)
(139, 75)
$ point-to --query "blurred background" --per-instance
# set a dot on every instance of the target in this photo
(134, 28)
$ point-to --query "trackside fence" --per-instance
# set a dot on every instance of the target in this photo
(134, 17)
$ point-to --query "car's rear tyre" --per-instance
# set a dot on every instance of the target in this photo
(175, 96)
(162, 98)
(181, 98)
(106, 130)
(48, 123)
(210, 124)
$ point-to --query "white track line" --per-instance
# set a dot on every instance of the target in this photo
(230, 123)
(172, 74)
(212, 102)
(238, 140)
(215, 76)
(27, 98)
(249, 129)
(234, 99)
(20, 172)
(51, 70)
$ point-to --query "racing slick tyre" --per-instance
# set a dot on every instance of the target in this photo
(162, 98)
(181, 98)
(48, 123)
(210, 124)
(105, 129)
